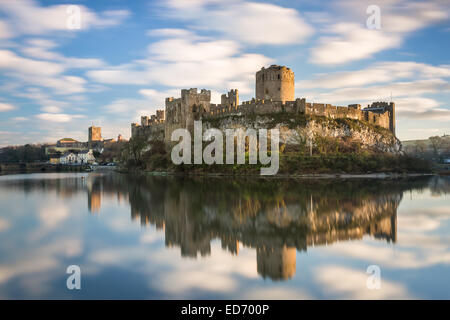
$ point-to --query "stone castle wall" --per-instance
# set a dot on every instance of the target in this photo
(180, 115)
(274, 94)
(156, 131)
(381, 118)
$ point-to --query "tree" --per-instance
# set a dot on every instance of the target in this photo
(436, 143)
(133, 150)
(421, 147)
(26, 153)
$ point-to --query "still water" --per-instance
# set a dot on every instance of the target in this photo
(173, 237)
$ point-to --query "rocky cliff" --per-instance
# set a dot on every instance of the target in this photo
(298, 128)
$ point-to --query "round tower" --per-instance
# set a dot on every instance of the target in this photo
(276, 83)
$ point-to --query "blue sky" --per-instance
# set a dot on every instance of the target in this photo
(128, 56)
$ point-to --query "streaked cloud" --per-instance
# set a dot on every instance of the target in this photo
(250, 23)
(28, 17)
(58, 117)
(211, 64)
(4, 107)
(351, 41)
(377, 73)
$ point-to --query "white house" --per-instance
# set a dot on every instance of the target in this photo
(68, 158)
(85, 157)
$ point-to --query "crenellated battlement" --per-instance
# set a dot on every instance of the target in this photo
(148, 124)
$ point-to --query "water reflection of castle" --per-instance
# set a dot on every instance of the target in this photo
(274, 217)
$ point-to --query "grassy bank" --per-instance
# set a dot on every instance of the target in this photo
(293, 163)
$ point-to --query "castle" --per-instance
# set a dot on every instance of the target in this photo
(274, 92)
(95, 142)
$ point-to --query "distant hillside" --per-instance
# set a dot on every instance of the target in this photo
(436, 147)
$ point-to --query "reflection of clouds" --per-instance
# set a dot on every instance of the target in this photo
(177, 276)
(422, 220)
(217, 273)
(347, 283)
(120, 223)
(416, 247)
(151, 236)
(416, 223)
(37, 265)
(43, 235)
(4, 224)
(274, 294)
(51, 215)
(177, 283)
(401, 256)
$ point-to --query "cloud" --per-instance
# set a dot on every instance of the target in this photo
(121, 106)
(381, 80)
(377, 73)
(19, 119)
(61, 85)
(172, 32)
(351, 41)
(4, 107)
(398, 16)
(57, 117)
(372, 93)
(10, 61)
(421, 108)
(211, 64)
(37, 95)
(169, 50)
(246, 22)
(28, 17)
(39, 49)
(5, 31)
(51, 109)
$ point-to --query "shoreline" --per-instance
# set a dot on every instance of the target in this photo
(382, 175)
(379, 175)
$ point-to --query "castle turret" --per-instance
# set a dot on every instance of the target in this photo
(391, 112)
(231, 99)
(276, 83)
(277, 263)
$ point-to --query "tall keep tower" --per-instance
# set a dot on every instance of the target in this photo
(276, 83)
(95, 134)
